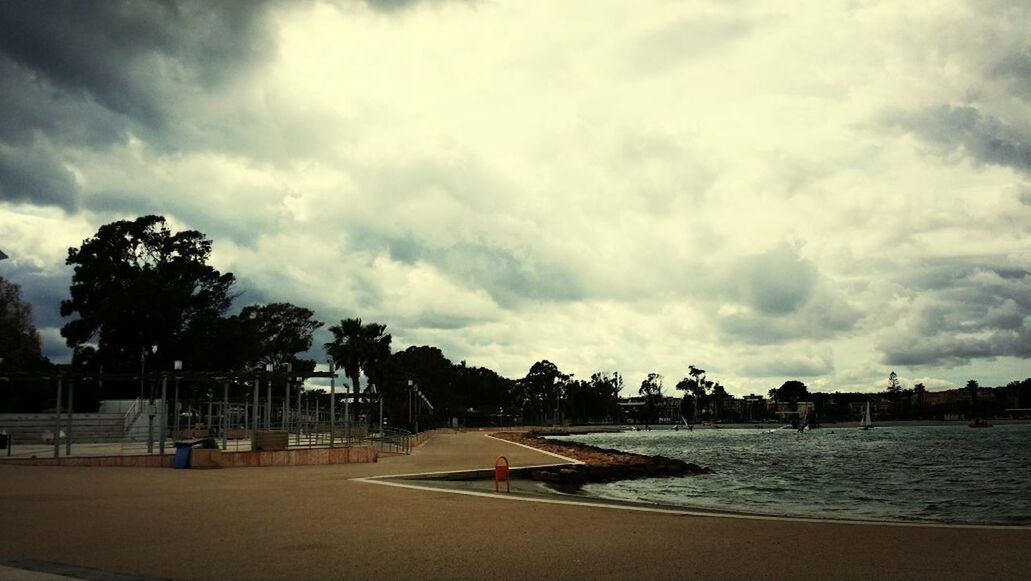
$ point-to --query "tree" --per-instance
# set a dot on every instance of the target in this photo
(894, 390)
(138, 284)
(538, 392)
(719, 393)
(919, 390)
(356, 347)
(19, 340)
(651, 389)
(972, 387)
(688, 405)
(791, 391)
(283, 330)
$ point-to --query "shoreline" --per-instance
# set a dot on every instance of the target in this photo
(574, 489)
(602, 428)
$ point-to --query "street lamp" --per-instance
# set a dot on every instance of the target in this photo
(268, 402)
(332, 400)
(143, 367)
(177, 367)
(411, 396)
(286, 402)
(150, 402)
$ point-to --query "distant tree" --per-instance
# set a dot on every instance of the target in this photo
(137, 284)
(919, 390)
(790, 392)
(688, 405)
(894, 390)
(19, 341)
(972, 387)
(1023, 391)
(283, 330)
(356, 347)
(719, 393)
(651, 389)
(538, 393)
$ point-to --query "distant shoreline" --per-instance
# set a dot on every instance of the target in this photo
(774, 425)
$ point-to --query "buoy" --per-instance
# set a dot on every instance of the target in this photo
(775, 462)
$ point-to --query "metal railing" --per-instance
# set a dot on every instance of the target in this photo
(131, 415)
(394, 440)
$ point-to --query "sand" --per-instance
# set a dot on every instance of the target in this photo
(316, 523)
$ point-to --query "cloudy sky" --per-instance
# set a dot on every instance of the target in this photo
(819, 190)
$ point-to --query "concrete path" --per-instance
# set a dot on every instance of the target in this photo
(316, 522)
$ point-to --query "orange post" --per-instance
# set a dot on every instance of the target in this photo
(501, 473)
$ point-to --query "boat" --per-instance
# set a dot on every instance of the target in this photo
(980, 423)
(866, 423)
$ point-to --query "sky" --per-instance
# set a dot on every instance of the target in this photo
(818, 190)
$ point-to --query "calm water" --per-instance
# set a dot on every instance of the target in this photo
(937, 474)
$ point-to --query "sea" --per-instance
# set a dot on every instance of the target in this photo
(934, 474)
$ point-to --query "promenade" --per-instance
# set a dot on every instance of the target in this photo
(318, 522)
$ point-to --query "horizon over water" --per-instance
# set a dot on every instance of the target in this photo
(939, 474)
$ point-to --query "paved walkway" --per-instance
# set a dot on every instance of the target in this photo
(316, 522)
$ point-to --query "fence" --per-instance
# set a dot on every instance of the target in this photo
(136, 427)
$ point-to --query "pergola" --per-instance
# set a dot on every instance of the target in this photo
(63, 375)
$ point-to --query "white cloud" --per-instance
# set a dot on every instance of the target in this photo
(761, 189)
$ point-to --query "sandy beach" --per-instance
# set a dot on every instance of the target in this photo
(319, 523)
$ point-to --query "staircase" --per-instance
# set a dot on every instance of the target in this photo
(86, 428)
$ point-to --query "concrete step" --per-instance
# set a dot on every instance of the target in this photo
(30, 428)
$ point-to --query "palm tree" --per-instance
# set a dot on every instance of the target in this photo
(356, 346)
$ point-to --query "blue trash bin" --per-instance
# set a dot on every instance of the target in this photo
(182, 455)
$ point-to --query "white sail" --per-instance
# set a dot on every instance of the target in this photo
(867, 422)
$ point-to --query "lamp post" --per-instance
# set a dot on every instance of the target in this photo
(332, 401)
(150, 403)
(411, 396)
(254, 411)
(268, 396)
(177, 367)
(286, 402)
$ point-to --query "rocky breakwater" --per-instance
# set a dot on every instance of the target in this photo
(599, 464)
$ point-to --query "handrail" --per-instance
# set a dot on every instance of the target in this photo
(399, 440)
(131, 415)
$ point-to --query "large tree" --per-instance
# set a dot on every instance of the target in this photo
(283, 330)
(538, 392)
(136, 284)
(19, 340)
(791, 391)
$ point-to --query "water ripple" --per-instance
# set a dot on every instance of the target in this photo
(936, 474)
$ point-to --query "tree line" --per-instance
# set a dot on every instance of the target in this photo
(143, 296)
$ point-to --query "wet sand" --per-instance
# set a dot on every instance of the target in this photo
(316, 522)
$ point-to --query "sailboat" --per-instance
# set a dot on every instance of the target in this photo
(866, 422)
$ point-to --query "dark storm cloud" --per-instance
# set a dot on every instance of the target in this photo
(776, 282)
(86, 74)
(127, 54)
(44, 291)
(33, 106)
(509, 276)
(785, 298)
(968, 312)
(34, 174)
(982, 137)
(1015, 66)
